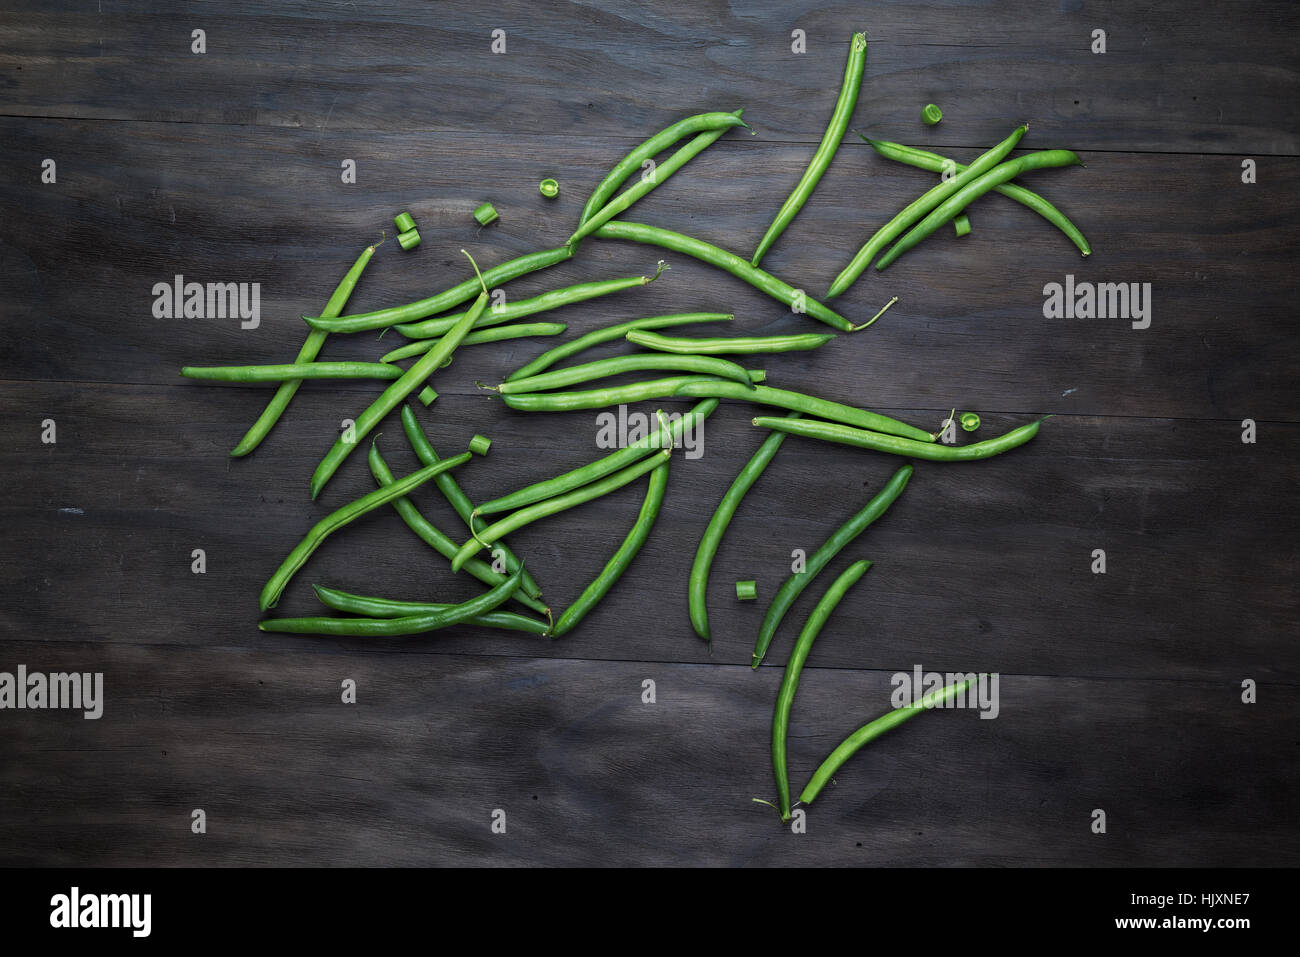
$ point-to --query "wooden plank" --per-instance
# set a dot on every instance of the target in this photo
(87, 252)
(1164, 84)
(412, 773)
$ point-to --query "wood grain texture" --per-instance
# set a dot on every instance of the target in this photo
(1119, 691)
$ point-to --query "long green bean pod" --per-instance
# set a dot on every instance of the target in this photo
(521, 330)
(935, 163)
(448, 299)
(821, 160)
(867, 439)
(698, 583)
(724, 345)
(296, 370)
(793, 586)
(618, 365)
(387, 608)
(790, 681)
(617, 565)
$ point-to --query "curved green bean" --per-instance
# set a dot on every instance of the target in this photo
(840, 116)
(618, 365)
(870, 731)
(644, 185)
(550, 488)
(793, 586)
(411, 380)
(972, 191)
(521, 330)
(866, 439)
(308, 353)
(295, 370)
(341, 517)
(560, 503)
(398, 627)
(631, 163)
(617, 565)
(721, 345)
(545, 302)
(456, 496)
(916, 209)
(448, 299)
(935, 163)
(386, 608)
(698, 583)
(790, 680)
(438, 541)
(609, 333)
(728, 262)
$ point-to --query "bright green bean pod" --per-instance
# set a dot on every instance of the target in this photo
(644, 185)
(398, 627)
(865, 439)
(631, 163)
(972, 191)
(935, 163)
(480, 336)
(572, 400)
(456, 496)
(821, 161)
(341, 517)
(560, 503)
(529, 307)
(765, 282)
(793, 586)
(721, 345)
(448, 299)
(438, 541)
(411, 380)
(617, 565)
(869, 732)
(608, 334)
(295, 370)
(916, 209)
(308, 353)
(386, 608)
(790, 681)
(618, 365)
(659, 439)
(698, 582)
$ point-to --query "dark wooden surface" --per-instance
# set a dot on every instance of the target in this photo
(1119, 692)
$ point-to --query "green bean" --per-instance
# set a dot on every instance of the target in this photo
(295, 370)
(746, 590)
(575, 478)
(931, 114)
(617, 565)
(656, 144)
(868, 732)
(793, 586)
(790, 680)
(398, 627)
(698, 583)
(448, 299)
(486, 214)
(821, 161)
(970, 421)
(308, 353)
(702, 387)
(456, 496)
(865, 439)
(728, 262)
(409, 239)
(386, 608)
(341, 517)
(560, 503)
(520, 330)
(972, 191)
(549, 188)
(412, 379)
(403, 222)
(427, 396)
(961, 225)
(938, 164)
(618, 365)
(684, 345)
(439, 542)
(645, 184)
(916, 209)
(528, 307)
(609, 333)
